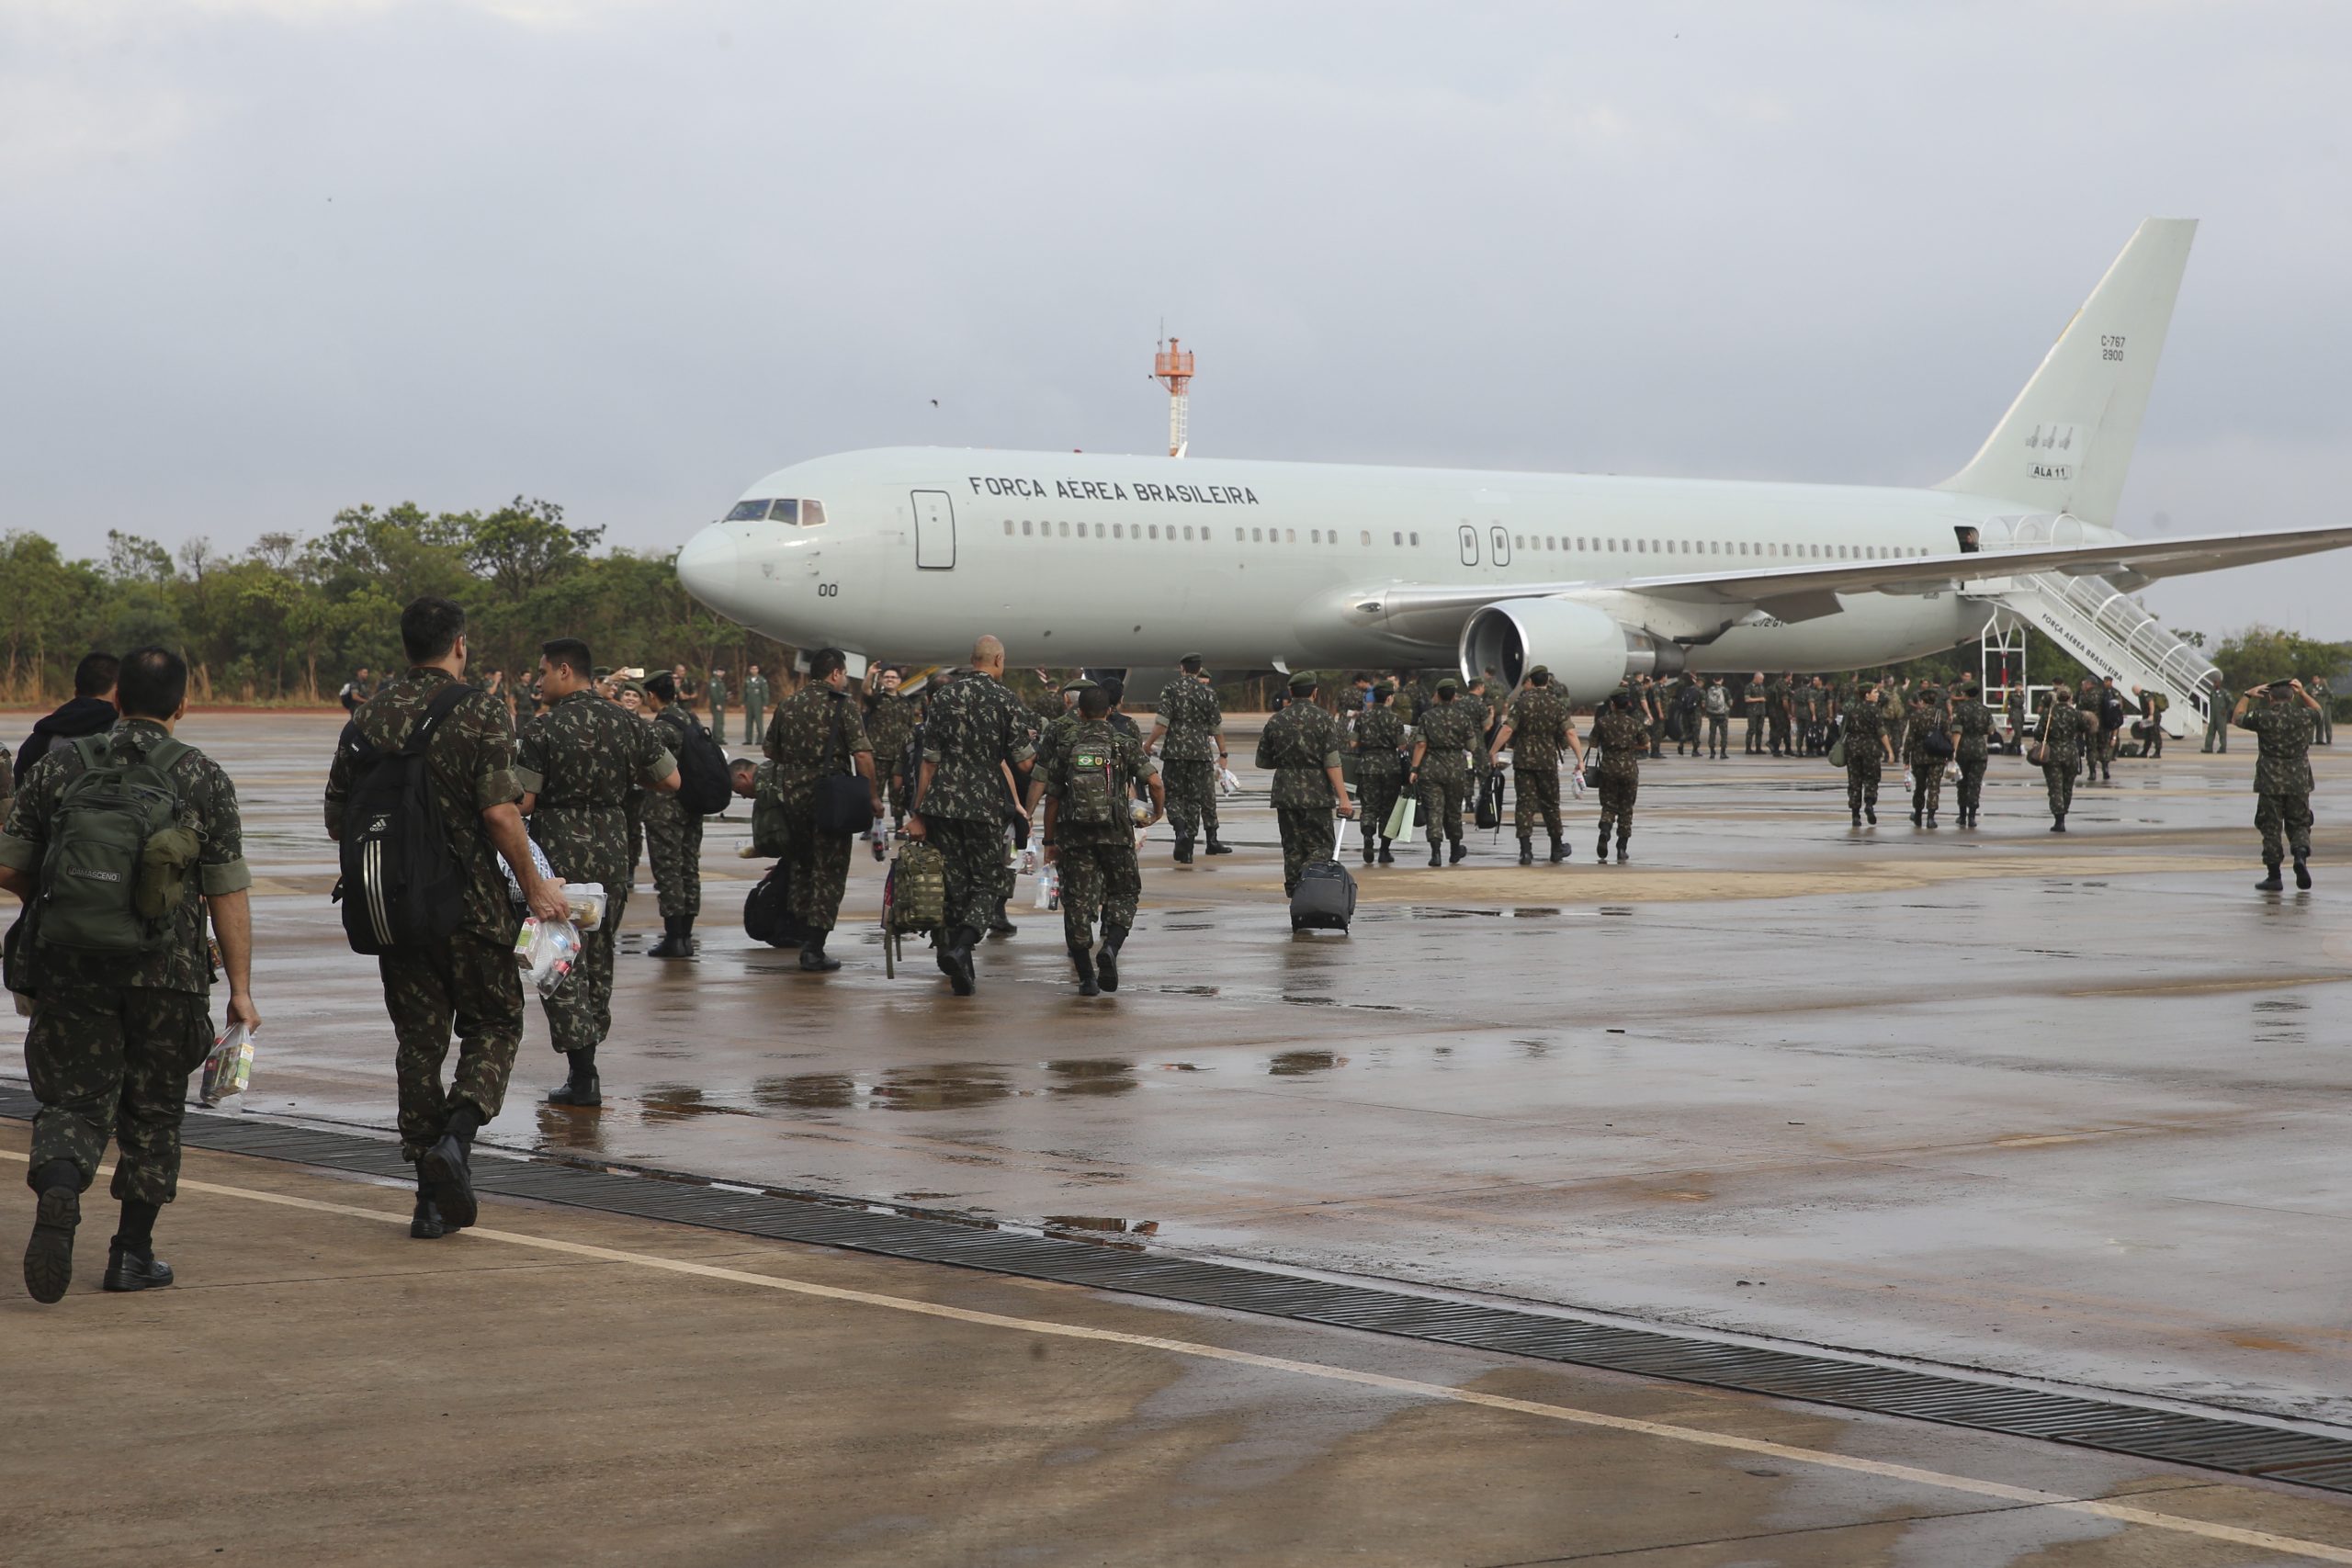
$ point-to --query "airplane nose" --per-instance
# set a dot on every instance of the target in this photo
(706, 566)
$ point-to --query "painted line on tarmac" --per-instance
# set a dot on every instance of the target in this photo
(2317, 1551)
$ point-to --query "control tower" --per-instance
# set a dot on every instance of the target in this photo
(1172, 367)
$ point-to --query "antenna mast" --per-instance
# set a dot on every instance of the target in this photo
(1172, 367)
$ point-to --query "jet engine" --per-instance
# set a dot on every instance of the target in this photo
(1587, 650)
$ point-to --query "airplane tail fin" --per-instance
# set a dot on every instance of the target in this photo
(2066, 442)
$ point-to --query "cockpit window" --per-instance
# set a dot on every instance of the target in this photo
(747, 512)
(787, 512)
(792, 514)
(812, 514)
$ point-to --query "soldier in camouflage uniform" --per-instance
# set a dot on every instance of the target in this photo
(1301, 746)
(2283, 725)
(1483, 710)
(1448, 732)
(718, 695)
(755, 707)
(7, 782)
(114, 1036)
(1193, 725)
(469, 983)
(890, 722)
(1866, 749)
(2059, 734)
(2218, 703)
(1927, 769)
(1972, 727)
(973, 731)
(1622, 736)
(1089, 830)
(818, 732)
(1379, 742)
(1753, 703)
(580, 760)
(1776, 709)
(1539, 724)
(673, 833)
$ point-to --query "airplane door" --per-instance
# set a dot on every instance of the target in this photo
(934, 530)
(1469, 545)
(1501, 542)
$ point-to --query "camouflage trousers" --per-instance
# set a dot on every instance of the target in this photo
(1098, 882)
(1539, 799)
(1617, 796)
(1442, 800)
(2285, 821)
(1719, 735)
(976, 861)
(1861, 776)
(1780, 735)
(1309, 836)
(674, 842)
(820, 866)
(1972, 782)
(1927, 786)
(2058, 780)
(587, 845)
(470, 986)
(115, 1060)
(754, 727)
(1192, 785)
(1756, 735)
(1377, 798)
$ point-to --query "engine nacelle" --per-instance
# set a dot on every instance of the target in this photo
(1587, 650)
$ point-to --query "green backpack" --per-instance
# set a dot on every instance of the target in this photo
(915, 896)
(1094, 794)
(119, 861)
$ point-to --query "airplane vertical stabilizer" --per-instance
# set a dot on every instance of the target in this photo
(2066, 442)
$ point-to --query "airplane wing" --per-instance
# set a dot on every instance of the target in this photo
(1804, 593)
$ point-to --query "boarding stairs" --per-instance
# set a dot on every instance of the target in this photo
(2112, 634)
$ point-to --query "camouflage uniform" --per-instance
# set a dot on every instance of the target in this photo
(471, 986)
(890, 722)
(1299, 744)
(719, 707)
(2282, 776)
(1448, 732)
(1190, 711)
(673, 833)
(1539, 724)
(1972, 723)
(1927, 769)
(7, 782)
(2061, 734)
(1752, 702)
(974, 729)
(803, 743)
(755, 708)
(1098, 875)
(114, 1036)
(1865, 749)
(1776, 709)
(582, 757)
(1379, 735)
(1623, 738)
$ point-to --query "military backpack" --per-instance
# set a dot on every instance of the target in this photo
(1094, 793)
(914, 898)
(117, 863)
(704, 788)
(403, 885)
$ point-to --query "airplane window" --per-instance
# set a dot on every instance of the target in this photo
(785, 512)
(1188, 530)
(812, 514)
(1289, 536)
(1519, 541)
(1395, 539)
(1024, 526)
(1414, 538)
(1253, 533)
(747, 512)
(1366, 537)
(1008, 527)
(1115, 528)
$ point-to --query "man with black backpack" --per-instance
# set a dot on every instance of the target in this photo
(129, 839)
(423, 798)
(824, 771)
(2111, 720)
(673, 819)
(580, 760)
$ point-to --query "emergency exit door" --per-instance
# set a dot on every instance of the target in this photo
(934, 530)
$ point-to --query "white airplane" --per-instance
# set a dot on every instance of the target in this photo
(1092, 560)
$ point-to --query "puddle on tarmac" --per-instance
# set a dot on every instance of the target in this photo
(677, 1103)
(953, 1086)
(1101, 1075)
(806, 1091)
(1101, 1225)
(1188, 990)
(580, 1131)
(1296, 1064)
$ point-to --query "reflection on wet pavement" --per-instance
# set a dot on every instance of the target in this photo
(952, 1086)
(1095, 1076)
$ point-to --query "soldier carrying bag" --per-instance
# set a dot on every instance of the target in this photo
(118, 861)
(402, 885)
(844, 803)
(703, 786)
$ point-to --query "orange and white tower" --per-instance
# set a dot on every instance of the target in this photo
(1172, 367)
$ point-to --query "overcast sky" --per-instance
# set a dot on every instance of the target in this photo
(266, 258)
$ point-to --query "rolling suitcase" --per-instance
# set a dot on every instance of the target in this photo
(1326, 899)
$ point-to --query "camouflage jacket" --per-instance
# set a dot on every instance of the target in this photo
(1298, 744)
(1380, 733)
(582, 757)
(2283, 765)
(1093, 743)
(7, 782)
(1776, 700)
(207, 806)
(890, 722)
(1448, 732)
(815, 731)
(1623, 739)
(1926, 719)
(1972, 725)
(473, 763)
(1539, 728)
(2061, 731)
(1190, 711)
(1865, 731)
(973, 730)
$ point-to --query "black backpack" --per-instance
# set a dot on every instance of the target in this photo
(403, 886)
(703, 786)
(2110, 712)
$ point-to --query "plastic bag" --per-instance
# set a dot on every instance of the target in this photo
(1049, 887)
(1226, 783)
(1576, 783)
(230, 1069)
(1403, 817)
(587, 901)
(545, 951)
(513, 887)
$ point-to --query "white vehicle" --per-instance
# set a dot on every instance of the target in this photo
(1082, 560)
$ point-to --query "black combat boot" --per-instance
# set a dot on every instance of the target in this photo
(1601, 849)
(1387, 856)
(1000, 923)
(1917, 813)
(677, 938)
(1931, 818)
(812, 954)
(1527, 851)
(2058, 823)
(131, 1270)
(2270, 883)
(424, 1221)
(1458, 853)
(1622, 856)
(1858, 816)
(1559, 850)
(1870, 809)
(1106, 962)
(1218, 846)
(49, 1255)
(1371, 851)
(2303, 873)
(1083, 962)
(445, 1175)
(957, 960)
(579, 1087)
(1184, 851)
(1437, 856)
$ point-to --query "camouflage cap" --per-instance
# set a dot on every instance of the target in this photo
(1385, 688)
(1080, 683)
(1304, 680)
(1539, 669)
(1448, 684)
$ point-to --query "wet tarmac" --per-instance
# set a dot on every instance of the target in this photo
(2067, 1108)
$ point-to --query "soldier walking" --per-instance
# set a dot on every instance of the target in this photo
(2061, 735)
(1379, 744)
(1301, 746)
(122, 1010)
(889, 724)
(1922, 756)
(1189, 730)
(2282, 726)
(1448, 732)
(1538, 725)
(755, 705)
(974, 736)
(673, 833)
(578, 760)
(1972, 725)
(815, 733)
(1866, 748)
(1620, 733)
(1089, 830)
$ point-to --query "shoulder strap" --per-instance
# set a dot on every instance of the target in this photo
(447, 698)
(162, 758)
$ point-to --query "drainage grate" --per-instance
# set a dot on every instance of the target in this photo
(2241, 1447)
